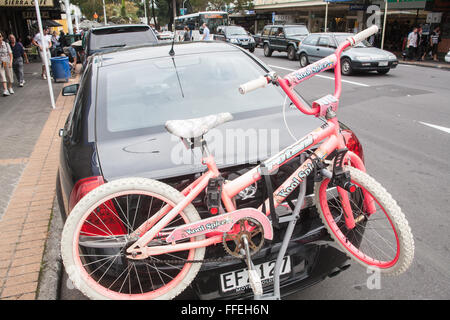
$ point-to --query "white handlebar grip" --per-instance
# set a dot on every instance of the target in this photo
(261, 82)
(363, 35)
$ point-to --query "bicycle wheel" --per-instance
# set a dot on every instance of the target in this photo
(382, 239)
(96, 236)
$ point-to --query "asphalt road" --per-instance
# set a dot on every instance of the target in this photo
(391, 115)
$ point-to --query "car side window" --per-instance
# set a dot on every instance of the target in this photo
(266, 32)
(311, 40)
(273, 32)
(324, 41)
(74, 123)
(280, 32)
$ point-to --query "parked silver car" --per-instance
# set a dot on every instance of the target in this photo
(362, 57)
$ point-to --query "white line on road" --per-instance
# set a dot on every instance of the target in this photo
(325, 77)
(436, 127)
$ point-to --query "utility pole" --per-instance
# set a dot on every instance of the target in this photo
(104, 13)
(68, 17)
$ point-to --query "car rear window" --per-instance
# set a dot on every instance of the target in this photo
(120, 37)
(147, 93)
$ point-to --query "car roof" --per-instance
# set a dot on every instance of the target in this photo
(120, 26)
(162, 50)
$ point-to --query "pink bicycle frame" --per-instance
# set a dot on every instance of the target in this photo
(329, 134)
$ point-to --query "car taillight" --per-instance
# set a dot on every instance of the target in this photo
(353, 143)
(104, 220)
(82, 187)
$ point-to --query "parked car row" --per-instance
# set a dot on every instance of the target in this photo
(298, 43)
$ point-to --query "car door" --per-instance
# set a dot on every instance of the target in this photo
(325, 46)
(273, 38)
(280, 39)
(310, 46)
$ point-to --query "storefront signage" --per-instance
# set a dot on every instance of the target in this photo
(25, 3)
(357, 7)
(434, 17)
(44, 14)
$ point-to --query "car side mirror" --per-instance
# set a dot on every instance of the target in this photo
(70, 90)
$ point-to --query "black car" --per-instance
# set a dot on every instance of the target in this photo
(283, 38)
(236, 35)
(111, 37)
(116, 129)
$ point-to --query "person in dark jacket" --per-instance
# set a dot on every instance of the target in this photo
(19, 57)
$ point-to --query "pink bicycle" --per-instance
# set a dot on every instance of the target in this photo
(137, 238)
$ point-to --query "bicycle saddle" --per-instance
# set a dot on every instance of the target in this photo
(193, 128)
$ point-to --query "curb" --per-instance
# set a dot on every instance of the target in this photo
(426, 65)
(51, 270)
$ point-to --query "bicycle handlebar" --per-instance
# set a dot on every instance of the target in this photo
(261, 82)
(363, 35)
(288, 82)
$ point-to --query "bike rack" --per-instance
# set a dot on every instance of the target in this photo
(291, 220)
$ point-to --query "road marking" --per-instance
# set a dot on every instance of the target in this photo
(436, 127)
(325, 77)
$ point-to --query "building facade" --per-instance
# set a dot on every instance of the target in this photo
(19, 16)
(356, 15)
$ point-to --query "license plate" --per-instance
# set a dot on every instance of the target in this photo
(238, 280)
(382, 63)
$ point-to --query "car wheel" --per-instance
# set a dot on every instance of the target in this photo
(267, 50)
(384, 71)
(346, 67)
(251, 50)
(303, 60)
(291, 53)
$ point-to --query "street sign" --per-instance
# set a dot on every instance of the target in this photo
(182, 11)
(273, 17)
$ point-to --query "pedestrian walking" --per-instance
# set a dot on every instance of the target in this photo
(187, 34)
(55, 44)
(38, 41)
(412, 44)
(435, 38)
(421, 45)
(19, 57)
(6, 73)
(205, 36)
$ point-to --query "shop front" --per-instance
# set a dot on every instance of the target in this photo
(318, 16)
(19, 17)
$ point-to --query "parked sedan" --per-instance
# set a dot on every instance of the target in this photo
(116, 129)
(236, 35)
(111, 37)
(362, 57)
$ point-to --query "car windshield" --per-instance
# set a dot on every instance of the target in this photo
(296, 31)
(235, 31)
(120, 37)
(147, 93)
(362, 44)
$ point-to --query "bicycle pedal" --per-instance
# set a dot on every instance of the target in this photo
(255, 282)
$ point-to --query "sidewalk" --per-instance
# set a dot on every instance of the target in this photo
(29, 153)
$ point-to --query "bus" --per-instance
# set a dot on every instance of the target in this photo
(195, 21)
